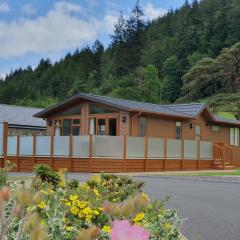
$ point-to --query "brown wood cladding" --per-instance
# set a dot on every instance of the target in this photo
(110, 165)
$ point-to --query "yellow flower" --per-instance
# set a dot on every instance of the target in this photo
(42, 205)
(145, 196)
(74, 210)
(106, 229)
(95, 178)
(87, 210)
(69, 228)
(100, 208)
(73, 197)
(96, 192)
(139, 217)
(44, 192)
(68, 204)
(89, 217)
(168, 226)
(96, 212)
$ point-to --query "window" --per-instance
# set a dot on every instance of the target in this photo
(66, 127)
(197, 130)
(142, 126)
(234, 137)
(215, 128)
(94, 109)
(178, 130)
(73, 111)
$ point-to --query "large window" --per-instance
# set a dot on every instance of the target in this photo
(73, 111)
(103, 126)
(234, 137)
(178, 130)
(66, 127)
(94, 109)
(142, 126)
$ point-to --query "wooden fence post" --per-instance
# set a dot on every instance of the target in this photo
(182, 160)
(52, 151)
(145, 153)
(124, 153)
(165, 155)
(18, 153)
(198, 154)
(70, 151)
(5, 142)
(90, 153)
(34, 150)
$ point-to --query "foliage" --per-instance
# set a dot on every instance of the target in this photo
(4, 171)
(86, 211)
(179, 56)
(46, 175)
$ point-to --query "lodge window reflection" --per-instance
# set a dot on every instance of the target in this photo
(66, 127)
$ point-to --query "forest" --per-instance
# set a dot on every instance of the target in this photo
(188, 55)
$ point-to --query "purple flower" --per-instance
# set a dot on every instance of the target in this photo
(123, 230)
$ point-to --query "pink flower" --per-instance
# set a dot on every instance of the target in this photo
(123, 230)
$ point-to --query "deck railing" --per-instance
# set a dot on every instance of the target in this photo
(116, 148)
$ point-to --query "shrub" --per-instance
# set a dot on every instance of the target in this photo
(46, 174)
(4, 171)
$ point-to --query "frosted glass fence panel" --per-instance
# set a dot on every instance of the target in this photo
(1, 139)
(108, 146)
(206, 150)
(190, 149)
(43, 145)
(12, 146)
(61, 146)
(135, 147)
(174, 148)
(80, 147)
(26, 146)
(155, 148)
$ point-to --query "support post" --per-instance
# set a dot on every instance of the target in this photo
(165, 155)
(182, 160)
(145, 153)
(52, 151)
(5, 142)
(90, 153)
(34, 150)
(18, 153)
(124, 153)
(70, 151)
(198, 154)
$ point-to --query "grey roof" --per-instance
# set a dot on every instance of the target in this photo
(191, 110)
(20, 116)
(221, 119)
(125, 104)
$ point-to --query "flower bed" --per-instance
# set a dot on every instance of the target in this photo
(105, 207)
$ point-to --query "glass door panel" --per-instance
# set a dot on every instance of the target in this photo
(112, 127)
(67, 127)
(101, 127)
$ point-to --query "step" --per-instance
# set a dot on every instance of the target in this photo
(225, 168)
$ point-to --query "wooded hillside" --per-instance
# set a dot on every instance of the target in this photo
(179, 57)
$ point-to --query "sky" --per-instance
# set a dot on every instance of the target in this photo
(35, 29)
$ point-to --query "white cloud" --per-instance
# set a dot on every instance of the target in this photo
(4, 7)
(152, 12)
(29, 9)
(56, 31)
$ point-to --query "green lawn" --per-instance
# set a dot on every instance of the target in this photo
(233, 173)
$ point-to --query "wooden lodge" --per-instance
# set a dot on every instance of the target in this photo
(91, 133)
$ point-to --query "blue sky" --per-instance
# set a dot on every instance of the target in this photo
(35, 29)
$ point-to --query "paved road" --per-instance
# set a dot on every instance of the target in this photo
(212, 208)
